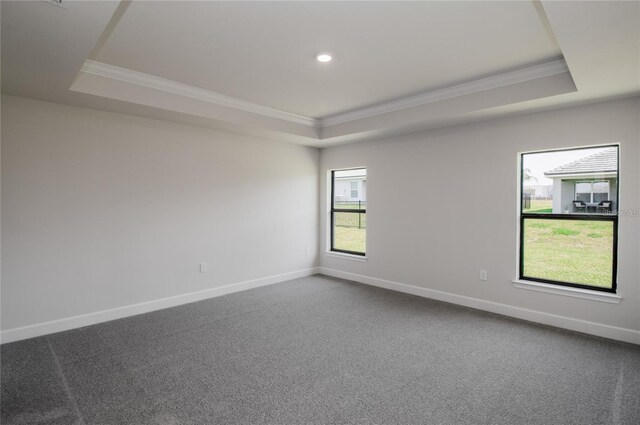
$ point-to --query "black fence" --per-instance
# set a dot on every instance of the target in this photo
(356, 220)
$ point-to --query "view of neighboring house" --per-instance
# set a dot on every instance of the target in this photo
(592, 179)
(350, 186)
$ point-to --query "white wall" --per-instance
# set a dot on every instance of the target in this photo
(103, 210)
(454, 232)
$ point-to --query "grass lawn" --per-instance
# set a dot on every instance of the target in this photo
(353, 205)
(540, 206)
(350, 238)
(569, 250)
(350, 231)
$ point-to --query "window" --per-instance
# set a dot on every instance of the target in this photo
(568, 217)
(354, 190)
(592, 192)
(348, 211)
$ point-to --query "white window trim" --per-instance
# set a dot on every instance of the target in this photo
(345, 256)
(568, 291)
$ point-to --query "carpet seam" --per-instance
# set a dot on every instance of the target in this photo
(65, 384)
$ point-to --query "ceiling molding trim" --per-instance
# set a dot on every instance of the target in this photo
(476, 86)
(158, 83)
(488, 83)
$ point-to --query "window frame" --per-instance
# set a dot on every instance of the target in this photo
(333, 210)
(612, 217)
(353, 190)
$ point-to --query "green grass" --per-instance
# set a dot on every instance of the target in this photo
(540, 206)
(350, 231)
(540, 225)
(564, 231)
(350, 220)
(354, 205)
(569, 250)
(350, 238)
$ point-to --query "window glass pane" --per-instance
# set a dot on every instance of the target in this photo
(600, 187)
(584, 197)
(346, 185)
(583, 187)
(349, 231)
(599, 197)
(572, 251)
(551, 181)
(354, 189)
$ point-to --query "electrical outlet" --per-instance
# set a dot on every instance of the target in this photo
(483, 275)
(203, 267)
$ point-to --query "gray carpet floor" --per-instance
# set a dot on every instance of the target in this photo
(319, 351)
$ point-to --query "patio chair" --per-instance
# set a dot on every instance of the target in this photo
(605, 206)
(579, 206)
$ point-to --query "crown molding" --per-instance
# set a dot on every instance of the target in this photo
(158, 83)
(476, 86)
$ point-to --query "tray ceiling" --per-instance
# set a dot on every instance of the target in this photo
(264, 52)
(249, 67)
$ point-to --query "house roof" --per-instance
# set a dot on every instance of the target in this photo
(601, 162)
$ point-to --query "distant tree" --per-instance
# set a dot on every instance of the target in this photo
(527, 177)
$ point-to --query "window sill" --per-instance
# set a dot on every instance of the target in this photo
(567, 291)
(345, 256)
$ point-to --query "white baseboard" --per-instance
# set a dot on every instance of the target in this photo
(598, 329)
(39, 329)
(578, 325)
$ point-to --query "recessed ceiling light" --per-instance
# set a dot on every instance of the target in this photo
(323, 57)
